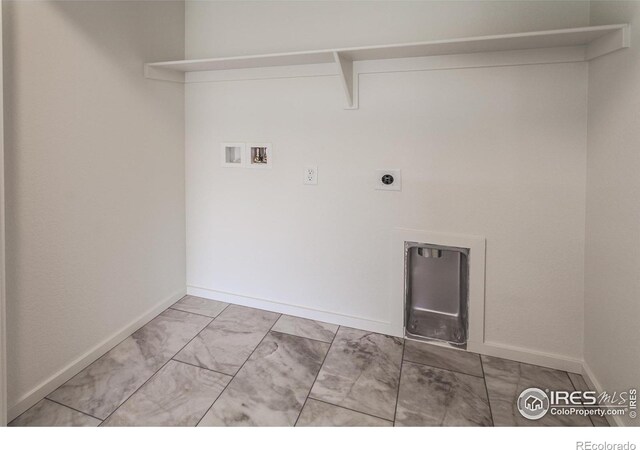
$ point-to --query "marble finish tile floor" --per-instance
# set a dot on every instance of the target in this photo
(207, 363)
(229, 340)
(443, 358)
(361, 372)
(436, 397)
(202, 306)
(103, 386)
(581, 385)
(271, 388)
(50, 414)
(319, 414)
(178, 395)
(311, 329)
(507, 379)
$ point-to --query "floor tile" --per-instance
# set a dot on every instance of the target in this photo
(320, 414)
(507, 379)
(307, 328)
(581, 385)
(361, 372)
(229, 340)
(100, 388)
(178, 395)
(272, 386)
(436, 397)
(443, 358)
(46, 413)
(199, 305)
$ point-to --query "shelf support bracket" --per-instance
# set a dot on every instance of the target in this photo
(157, 73)
(609, 43)
(349, 80)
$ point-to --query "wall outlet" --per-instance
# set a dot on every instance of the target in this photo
(388, 179)
(311, 175)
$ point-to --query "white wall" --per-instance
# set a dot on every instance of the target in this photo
(94, 180)
(495, 152)
(612, 305)
(3, 321)
(235, 28)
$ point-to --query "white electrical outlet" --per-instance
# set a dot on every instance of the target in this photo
(311, 175)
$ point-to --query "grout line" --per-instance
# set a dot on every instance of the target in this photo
(395, 410)
(219, 314)
(198, 314)
(76, 410)
(304, 337)
(572, 383)
(316, 377)
(200, 367)
(155, 373)
(241, 367)
(332, 404)
(444, 368)
(351, 409)
(575, 388)
(100, 357)
(486, 389)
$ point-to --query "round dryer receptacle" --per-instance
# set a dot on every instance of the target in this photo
(387, 179)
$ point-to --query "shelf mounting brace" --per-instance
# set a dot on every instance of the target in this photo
(349, 79)
(616, 40)
(158, 73)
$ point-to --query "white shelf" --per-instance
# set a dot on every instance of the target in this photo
(593, 42)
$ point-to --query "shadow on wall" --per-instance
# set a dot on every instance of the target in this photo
(619, 71)
(94, 156)
(125, 43)
(109, 31)
(66, 50)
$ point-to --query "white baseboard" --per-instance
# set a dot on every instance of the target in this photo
(524, 355)
(76, 366)
(528, 356)
(593, 383)
(373, 325)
